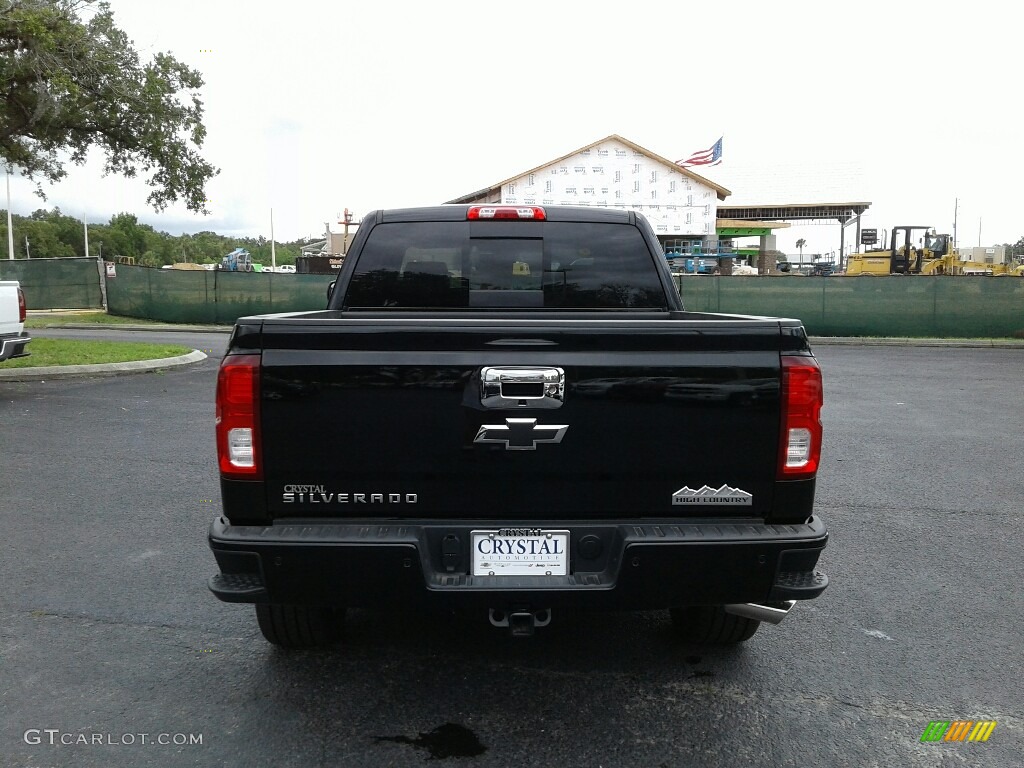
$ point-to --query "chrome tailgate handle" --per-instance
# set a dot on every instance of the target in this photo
(522, 387)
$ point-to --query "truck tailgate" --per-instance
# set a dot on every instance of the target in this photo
(389, 418)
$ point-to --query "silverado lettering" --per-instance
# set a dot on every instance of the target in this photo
(458, 346)
(346, 498)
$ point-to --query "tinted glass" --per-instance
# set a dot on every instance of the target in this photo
(552, 265)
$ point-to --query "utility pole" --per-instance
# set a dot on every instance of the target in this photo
(27, 254)
(344, 242)
(85, 226)
(956, 206)
(273, 253)
(10, 227)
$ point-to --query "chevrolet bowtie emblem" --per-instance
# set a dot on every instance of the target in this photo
(520, 434)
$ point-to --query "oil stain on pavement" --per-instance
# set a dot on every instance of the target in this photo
(445, 741)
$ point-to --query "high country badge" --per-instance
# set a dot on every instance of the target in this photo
(724, 496)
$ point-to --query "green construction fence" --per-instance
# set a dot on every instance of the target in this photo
(67, 283)
(895, 305)
(210, 296)
(921, 306)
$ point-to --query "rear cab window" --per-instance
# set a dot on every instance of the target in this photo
(543, 265)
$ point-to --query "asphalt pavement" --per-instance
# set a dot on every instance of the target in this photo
(110, 642)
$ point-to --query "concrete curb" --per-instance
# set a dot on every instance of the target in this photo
(105, 369)
(117, 327)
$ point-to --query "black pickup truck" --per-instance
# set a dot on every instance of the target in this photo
(507, 409)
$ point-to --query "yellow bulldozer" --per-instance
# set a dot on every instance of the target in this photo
(927, 254)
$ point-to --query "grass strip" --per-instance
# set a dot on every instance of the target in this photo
(82, 352)
(92, 318)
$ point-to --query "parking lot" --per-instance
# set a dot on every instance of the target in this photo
(113, 652)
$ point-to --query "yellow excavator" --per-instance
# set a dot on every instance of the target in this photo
(928, 254)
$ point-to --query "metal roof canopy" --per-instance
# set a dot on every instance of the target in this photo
(822, 213)
(746, 228)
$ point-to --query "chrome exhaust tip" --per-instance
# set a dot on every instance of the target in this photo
(773, 613)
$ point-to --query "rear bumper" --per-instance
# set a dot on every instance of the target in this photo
(633, 565)
(13, 346)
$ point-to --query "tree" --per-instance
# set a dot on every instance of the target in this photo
(70, 83)
(209, 246)
(801, 243)
(134, 234)
(43, 238)
(53, 234)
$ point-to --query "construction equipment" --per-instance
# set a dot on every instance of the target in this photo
(239, 260)
(707, 265)
(822, 268)
(697, 257)
(927, 254)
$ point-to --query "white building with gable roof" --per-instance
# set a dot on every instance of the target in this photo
(616, 173)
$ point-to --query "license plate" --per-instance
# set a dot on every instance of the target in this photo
(520, 552)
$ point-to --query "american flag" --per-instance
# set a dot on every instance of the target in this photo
(712, 156)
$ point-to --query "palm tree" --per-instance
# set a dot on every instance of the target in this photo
(800, 244)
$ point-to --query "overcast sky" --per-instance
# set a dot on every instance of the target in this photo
(314, 107)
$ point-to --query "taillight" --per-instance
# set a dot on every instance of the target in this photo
(800, 439)
(528, 212)
(22, 309)
(238, 417)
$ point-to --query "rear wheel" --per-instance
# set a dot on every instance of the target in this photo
(711, 625)
(299, 626)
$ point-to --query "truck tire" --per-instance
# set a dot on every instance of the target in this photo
(711, 625)
(299, 626)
